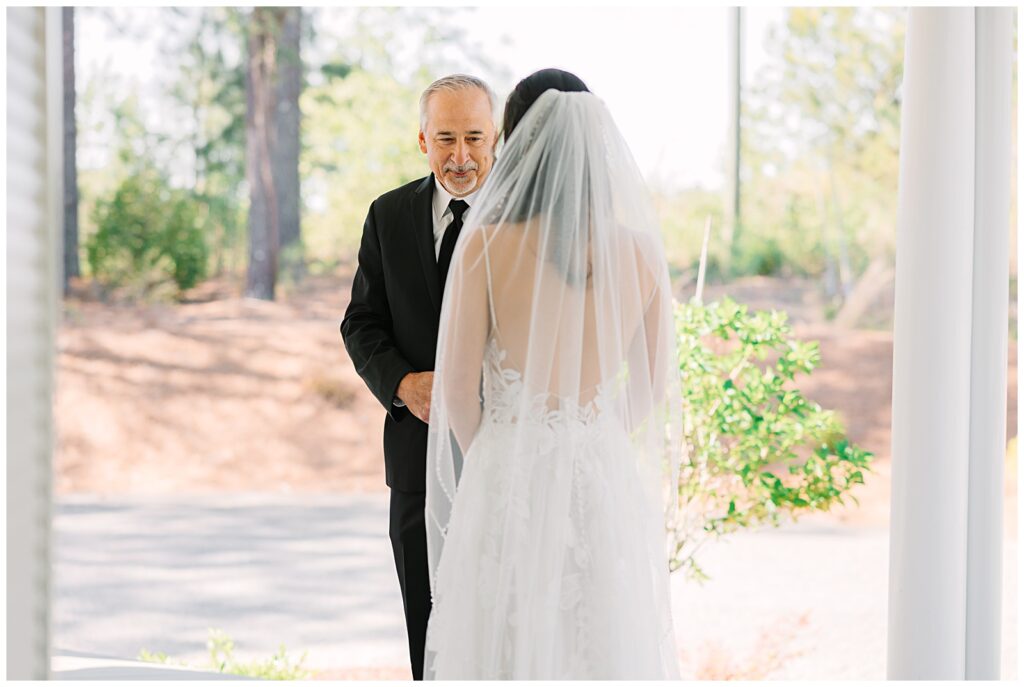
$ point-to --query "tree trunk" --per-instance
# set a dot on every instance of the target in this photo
(845, 270)
(264, 224)
(71, 266)
(877, 279)
(285, 155)
(733, 227)
(831, 285)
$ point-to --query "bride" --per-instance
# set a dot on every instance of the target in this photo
(555, 423)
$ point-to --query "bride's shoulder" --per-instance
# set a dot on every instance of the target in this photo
(476, 243)
(501, 244)
(493, 237)
(479, 238)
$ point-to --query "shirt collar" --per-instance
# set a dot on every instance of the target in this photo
(442, 198)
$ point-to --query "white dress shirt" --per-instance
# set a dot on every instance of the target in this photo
(443, 216)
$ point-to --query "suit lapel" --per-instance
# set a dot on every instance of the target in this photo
(423, 226)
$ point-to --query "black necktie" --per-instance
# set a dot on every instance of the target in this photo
(451, 235)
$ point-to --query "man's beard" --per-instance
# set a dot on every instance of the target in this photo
(466, 183)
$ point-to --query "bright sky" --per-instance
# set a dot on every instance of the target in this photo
(661, 71)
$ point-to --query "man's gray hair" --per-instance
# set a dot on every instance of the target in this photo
(454, 82)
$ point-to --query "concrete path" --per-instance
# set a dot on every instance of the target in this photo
(80, 665)
(315, 573)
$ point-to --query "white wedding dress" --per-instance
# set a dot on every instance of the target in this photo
(554, 566)
(554, 422)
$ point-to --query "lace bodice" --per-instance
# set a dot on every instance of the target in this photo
(503, 390)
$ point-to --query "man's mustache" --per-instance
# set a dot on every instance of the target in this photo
(460, 169)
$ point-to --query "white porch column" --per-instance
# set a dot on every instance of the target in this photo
(990, 322)
(34, 216)
(949, 357)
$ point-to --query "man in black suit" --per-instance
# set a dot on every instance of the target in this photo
(390, 326)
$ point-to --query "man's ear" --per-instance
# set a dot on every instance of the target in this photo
(423, 143)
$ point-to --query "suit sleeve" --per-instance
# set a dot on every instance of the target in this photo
(367, 326)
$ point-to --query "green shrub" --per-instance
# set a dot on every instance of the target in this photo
(278, 667)
(757, 449)
(760, 255)
(147, 234)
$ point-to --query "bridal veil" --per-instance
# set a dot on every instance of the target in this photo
(557, 328)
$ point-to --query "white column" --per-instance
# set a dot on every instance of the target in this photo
(34, 216)
(949, 371)
(990, 322)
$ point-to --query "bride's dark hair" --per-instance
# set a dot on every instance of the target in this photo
(574, 268)
(530, 88)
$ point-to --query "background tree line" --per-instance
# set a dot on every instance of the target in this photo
(274, 154)
(288, 132)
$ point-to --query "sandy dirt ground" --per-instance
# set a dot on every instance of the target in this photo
(223, 393)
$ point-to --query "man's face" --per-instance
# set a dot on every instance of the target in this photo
(459, 139)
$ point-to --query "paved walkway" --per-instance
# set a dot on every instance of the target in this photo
(81, 665)
(315, 573)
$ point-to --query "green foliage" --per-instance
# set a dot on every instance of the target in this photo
(197, 144)
(820, 141)
(681, 217)
(210, 87)
(361, 114)
(359, 141)
(759, 254)
(757, 449)
(147, 233)
(278, 667)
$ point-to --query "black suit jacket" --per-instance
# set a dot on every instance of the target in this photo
(390, 325)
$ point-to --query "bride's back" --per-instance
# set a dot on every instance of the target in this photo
(572, 335)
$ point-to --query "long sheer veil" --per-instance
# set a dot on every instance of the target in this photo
(560, 274)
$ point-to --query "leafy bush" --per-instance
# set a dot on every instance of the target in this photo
(756, 447)
(759, 255)
(147, 234)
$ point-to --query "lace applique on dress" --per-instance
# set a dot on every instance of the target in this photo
(503, 388)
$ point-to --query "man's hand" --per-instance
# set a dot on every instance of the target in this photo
(414, 390)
